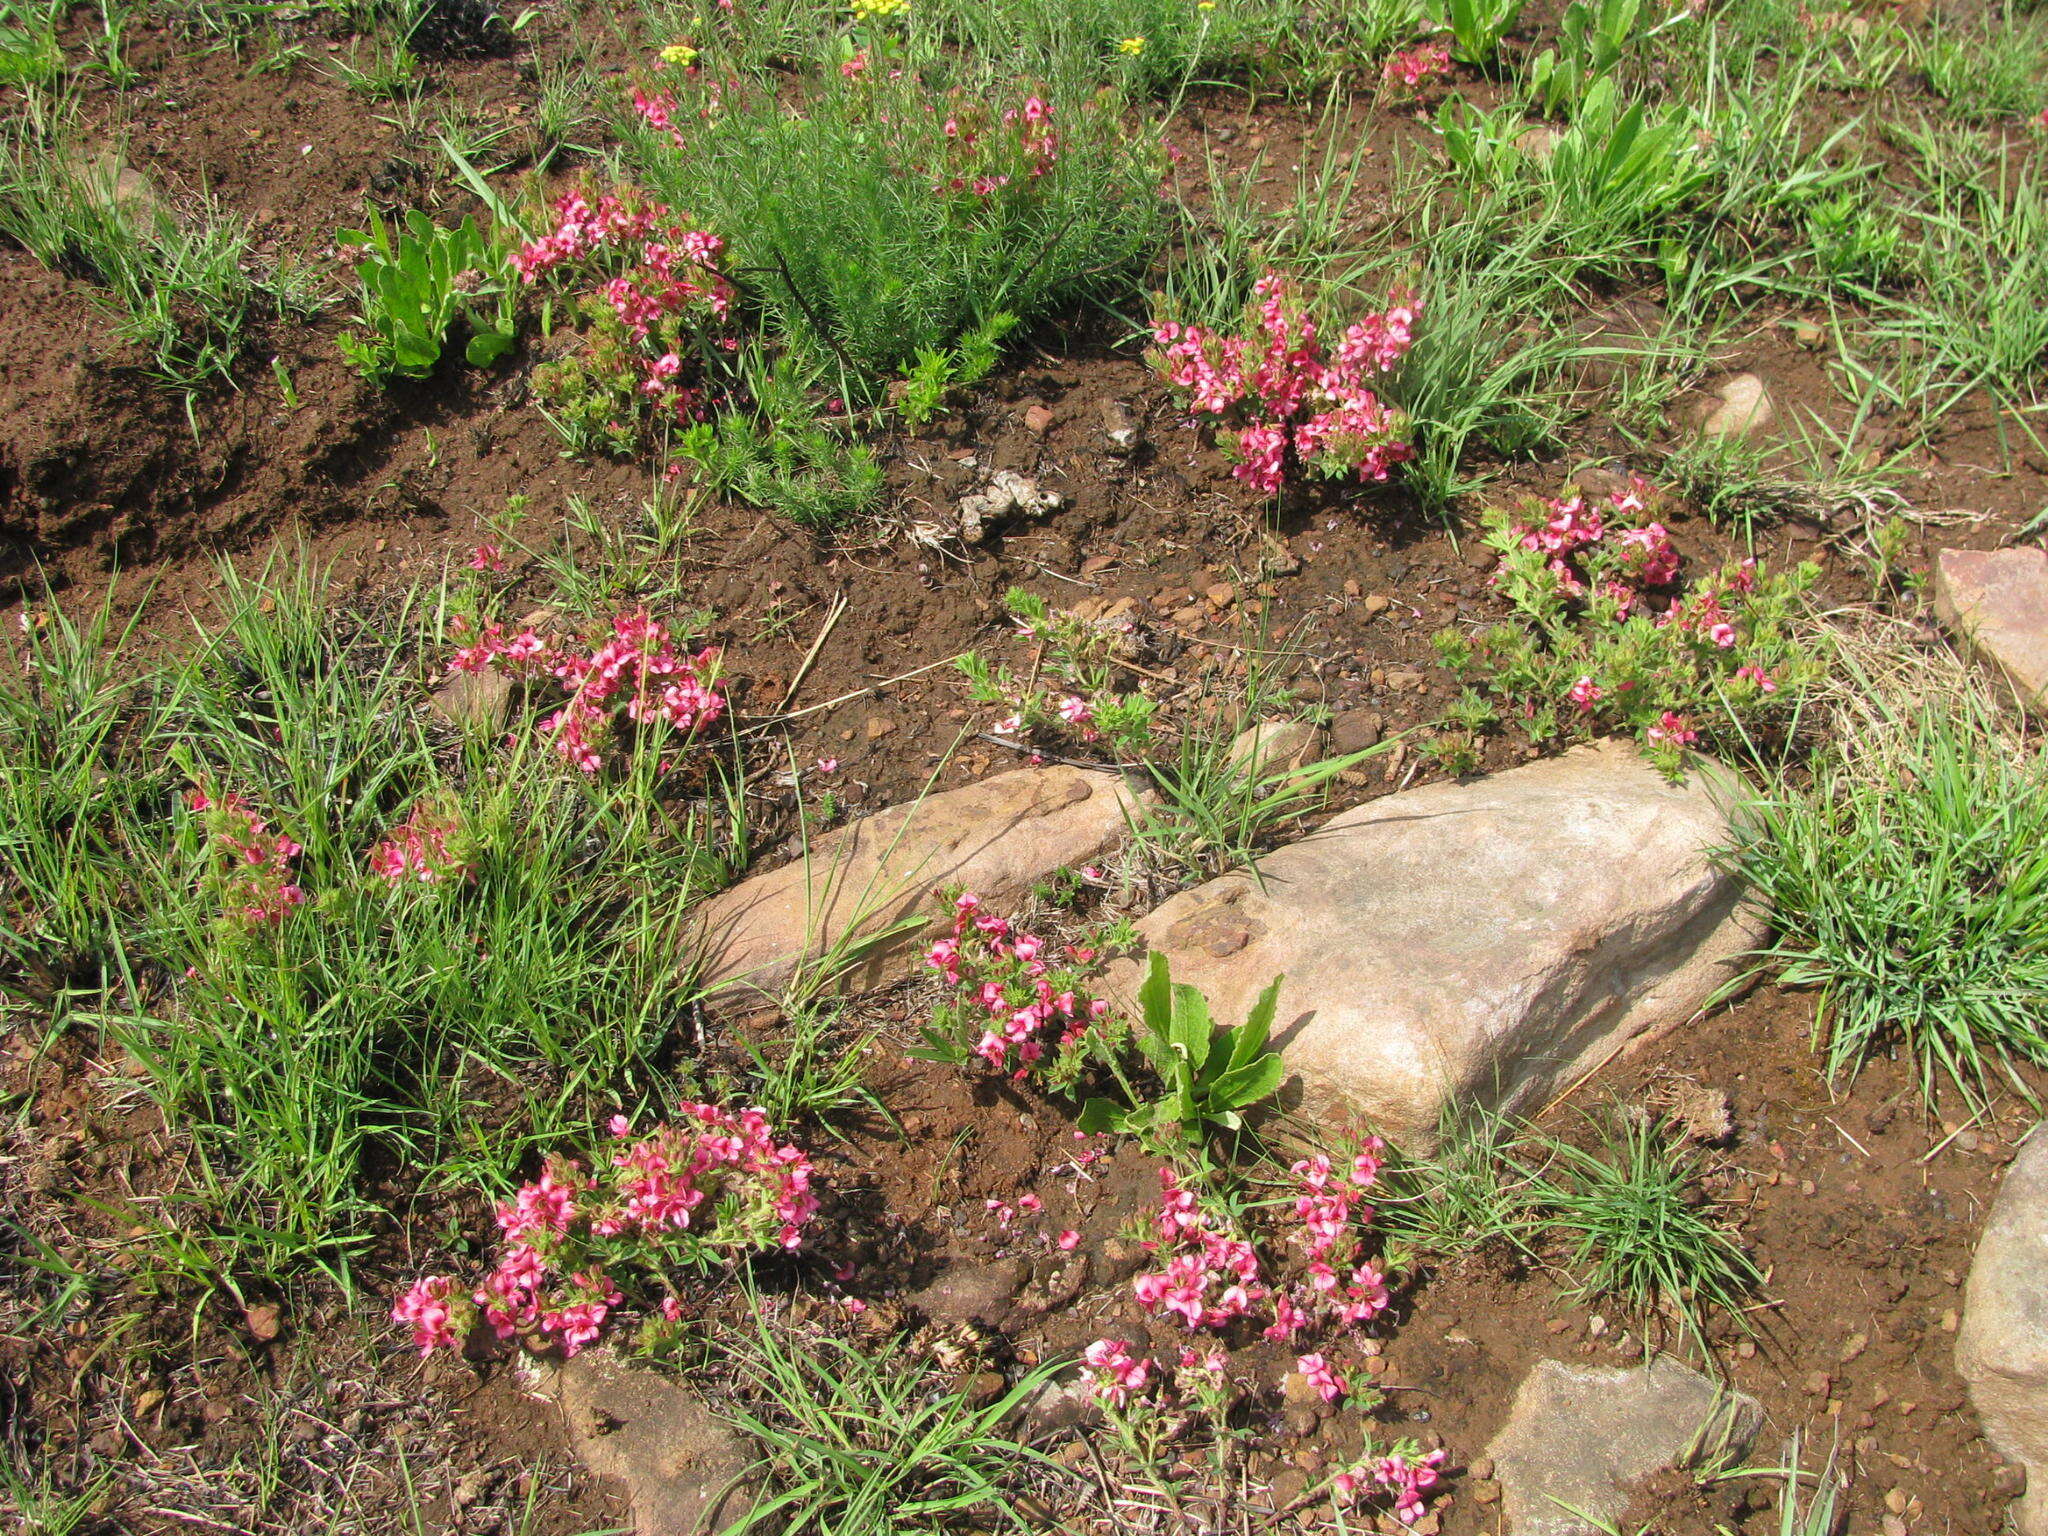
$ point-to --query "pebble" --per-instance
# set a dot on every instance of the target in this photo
(880, 726)
(1895, 1500)
(1377, 603)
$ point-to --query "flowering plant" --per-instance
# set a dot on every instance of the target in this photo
(709, 1190)
(1070, 690)
(1024, 999)
(1607, 636)
(1296, 407)
(659, 316)
(250, 868)
(633, 678)
(430, 847)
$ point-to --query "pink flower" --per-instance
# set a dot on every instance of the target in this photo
(1117, 1373)
(1673, 728)
(856, 66)
(433, 1310)
(486, 557)
(1318, 1373)
(1410, 69)
(1068, 1241)
(826, 765)
(1763, 680)
(1722, 634)
(1585, 693)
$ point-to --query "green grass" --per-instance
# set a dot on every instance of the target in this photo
(1634, 1229)
(1990, 70)
(1910, 883)
(436, 1031)
(856, 1444)
(184, 288)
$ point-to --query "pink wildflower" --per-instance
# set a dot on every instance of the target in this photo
(1317, 1372)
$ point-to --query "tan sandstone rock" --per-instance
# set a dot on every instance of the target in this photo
(1997, 601)
(1484, 941)
(685, 1470)
(866, 893)
(2002, 1346)
(1578, 1437)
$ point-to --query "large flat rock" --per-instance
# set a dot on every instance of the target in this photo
(998, 838)
(1485, 941)
(2002, 1346)
(1997, 600)
(685, 1470)
(1580, 1436)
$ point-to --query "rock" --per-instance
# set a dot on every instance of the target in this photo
(1118, 426)
(1488, 940)
(1007, 492)
(1997, 600)
(1061, 1405)
(1577, 1437)
(972, 1293)
(685, 1469)
(1377, 603)
(1037, 420)
(474, 701)
(2002, 1345)
(1274, 746)
(1538, 143)
(1354, 730)
(1741, 407)
(868, 890)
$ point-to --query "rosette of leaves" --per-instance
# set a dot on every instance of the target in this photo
(417, 277)
(1208, 1073)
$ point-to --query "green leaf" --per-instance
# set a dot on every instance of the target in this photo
(1249, 1038)
(1097, 1116)
(486, 347)
(1155, 996)
(1247, 1085)
(1192, 1029)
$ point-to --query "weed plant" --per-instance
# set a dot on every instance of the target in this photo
(1910, 884)
(181, 288)
(254, 851)
(864, 231)
(856, 1445)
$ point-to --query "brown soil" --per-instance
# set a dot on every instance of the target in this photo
(1862, 1212)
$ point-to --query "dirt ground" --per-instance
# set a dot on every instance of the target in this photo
(272, 1413)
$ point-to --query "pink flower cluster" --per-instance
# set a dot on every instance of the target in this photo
(635, 673)
(650, 1209)
(1410, 69)
(980, 160)
(671, 269)
(1647, 556)
(1116, 1374)
(1211, 1276)
(260, 886)
(1021, 989)
(423, 848)
(1407, 1478)
(1295, 404)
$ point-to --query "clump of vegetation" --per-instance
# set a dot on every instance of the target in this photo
(1604, 637)
(1910, 886)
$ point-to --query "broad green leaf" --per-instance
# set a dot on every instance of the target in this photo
(1249, 1084)
(1249, 1038)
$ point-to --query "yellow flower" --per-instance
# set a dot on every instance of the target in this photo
(682, 55)
(875, 10)
(1132, 46)
(1206, 5)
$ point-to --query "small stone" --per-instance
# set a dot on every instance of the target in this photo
(1221, 595)
(1895, 1500)
(1997, 601)
(263, 1320)
(879, 726)
(1855, 1345)
(1354, 730)
(1351, 587)
(1485, 1493)
(1740, 408)
(474, 701)
(1377, 603)
(1817, 1383)
(1037, 420)
(1892, 1525)
(1808, 334)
